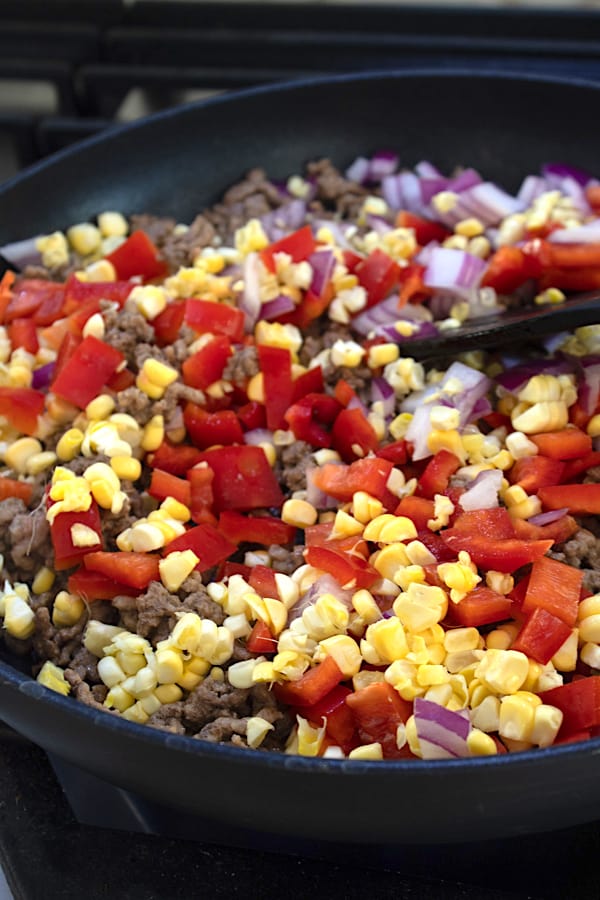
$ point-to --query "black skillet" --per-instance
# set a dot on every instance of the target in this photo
(176, 163)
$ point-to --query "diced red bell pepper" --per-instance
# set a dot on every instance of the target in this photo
(243, 479)
(351, 260)
(353, 436)
(6, 284)
(343, 481)
(21, 406)
(260, 640)
(396, 452)
(80, 293)
(571, 279)
(311, 687)
(558, 531)
(276, 367)
(264, 530)
(579, 702)
(579, 499)
(10, 487)
(320, 536)
(493, 523)
(481, 606)
(92, 586)
(135, 570)
(210, 546)
(344, 392)
(569, 443)
(202, 497)
(31, 294)
(229, 568)
(262, 580)
(412, 285)
(575, 467)
(138, 255)
(570, 256)
(206, 316)
(378, 274)
(435, 545)
(418, 509)
(167, 324)
(533, 472)
(436, 475)
(311, 418)
(252, 415)
(339, 719)
(555, 587)
(508, 268)
(378, 710)
(500, 555)
(299, 245)
(163, 485)
(66, 553)
(174, 458)
(425, 230)
(309, 382)
(204, 367)
(86, 371)
(209, 428)
(121, 380)
(348, 569)
(23, 333)
(541, 635)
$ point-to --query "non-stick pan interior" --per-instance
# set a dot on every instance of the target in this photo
(176, 163)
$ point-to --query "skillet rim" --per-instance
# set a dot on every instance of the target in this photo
(14, 680)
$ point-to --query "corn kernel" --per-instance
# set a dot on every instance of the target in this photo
(100, 407)
(421, 606)
(459, 639)
(481, 744)
(19, 452)
(154, 433)
(257, 729)
(552, 415)
(384, 642)
(149, 299)
(589, 628)
(84, 238)
(546, 725)
(516, 718)
(565, 658)
(367, 752)
(345, 652)
(299, 513)
(176, 567)
(100, 270)
(53, 249)
(53, 677)
(486, 715)
(590, 655)
(503, 671)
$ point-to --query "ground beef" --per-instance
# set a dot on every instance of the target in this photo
(8, 510)
(85, 665)
(168, 718)
(592, 476)
(284, 560)
(153, 614)
(81, 690)
(583, 552)
(29, 542)
(335, 191)
(212, 699)
(319, 337)
(181, 247)
(126, 330)
(158, 228)
(148, 351)
(128, 612)
(222, 730)
(59, 645)
(251, 198)
(242, 366)
(135, 403)
(292, 464)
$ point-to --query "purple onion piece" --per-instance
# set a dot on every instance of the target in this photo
(323, 265)
(42, 377)
(513, 379)
(358, 170)
(582, 234)
(281, 305)
(545, 518)
(563, 170)
(453, 270)
(442, 732)
(382, 163)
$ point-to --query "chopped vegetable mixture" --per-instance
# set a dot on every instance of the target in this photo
(233, 505)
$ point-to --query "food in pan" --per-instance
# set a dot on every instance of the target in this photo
(235, 507)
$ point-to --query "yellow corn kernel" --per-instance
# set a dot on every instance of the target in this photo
(503, 671)
(69, 445)
(149, 299)
(43, 580)
(366, 677)
(345, 652)
(126, 468)
(384, 642)
(590, 655)
(565, 658)
(380, 355)
(53, 677)
(419, 554)
(552, 415)
(410, 575)
(446, 440)
(480, 743)
(100, 407)
(54, 249)
(365, 507)
(84, 238)
(291, 664)
(589, 619)
(345, 525)
(176, 567)
(143, 383)
(255, 388)
(299, 513)
(366, 607)
(159, 373)
(239, 674)
(498, 639)
(428, 675)
(389, 561)
(367, 752)
(257, 729)
(399, 426)
(459, 639)
(309, 739)
(442, 510)
(373, 529)
(112, 224)
(264, 673)
(136, 713)
(516, 718)
(168, 693)
(251, 237)
(461, 577)
(401, 528)
(101, 270)
(169, 665)
(326, 617)
(19, 452)
(421, 606)
(486, 715)
(110, 671)
(118, 698)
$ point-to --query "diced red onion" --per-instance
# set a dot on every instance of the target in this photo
(277, 307)
(424, 254)
(531, 187)
(489, 203)
(562, 170)
(341, 231)
(325, 584)
(545, 518)
(382, 392)
(250, 302)
(454, 270)
(411, 194)
(421, 331)
(382, 163)
(589, 387)
(386, 313)
(356, 403)
(378, 224)
(442, 733)
(426, 169)
(43, 376)
(475, 385)
(22, 253)
(432, 186)
(515, 378)
(322, 263)
(284, 219)
(258, 436)
(581, 234)
(466, 179)
(391, 190)
(418, 432)
(314, 494)
(483, 492)
(358, 170)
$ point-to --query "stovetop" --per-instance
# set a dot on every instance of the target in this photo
(70, 69)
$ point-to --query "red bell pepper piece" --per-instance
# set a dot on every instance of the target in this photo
(575, 256)
(206, 316)
(202, 497)
(510, 267)
(276, 367)
(493, 523)
(243, 479)
(397, 452)
(86, 372)
(559, 531)
(481, 606)
(163, 485)
(571, 279)
(299, 245)
(501, 555)
(174, 458)
(310, 308)
(555, 587)
(311, 687)
(81, 293)
(353, 436)
(425, 230)
(339, 719)
(570, 443)
(264, 530)
(207, 429)
(262, 580)
(533, 472)
(66, 553)
(320, 536)
(579, 702)
(579, 499)
(134, 570)
(204, 367)
(6, 284)
(121, 380)
(92, 586)
(23, 333)
(418, 509)
(309, 382)
(138, 255)
(574, 467)
(435, 545)
(260, 640)
(10, 487)
(344, 392)
(436, 475)
(412, 286)
(210, 546)
(252, 415)
(29, 295)
(378, 274)
(343, 481)
(378, 710)
(347, 568)
(21, 406)
(167, 324)
(311, 417)
(541, 635)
